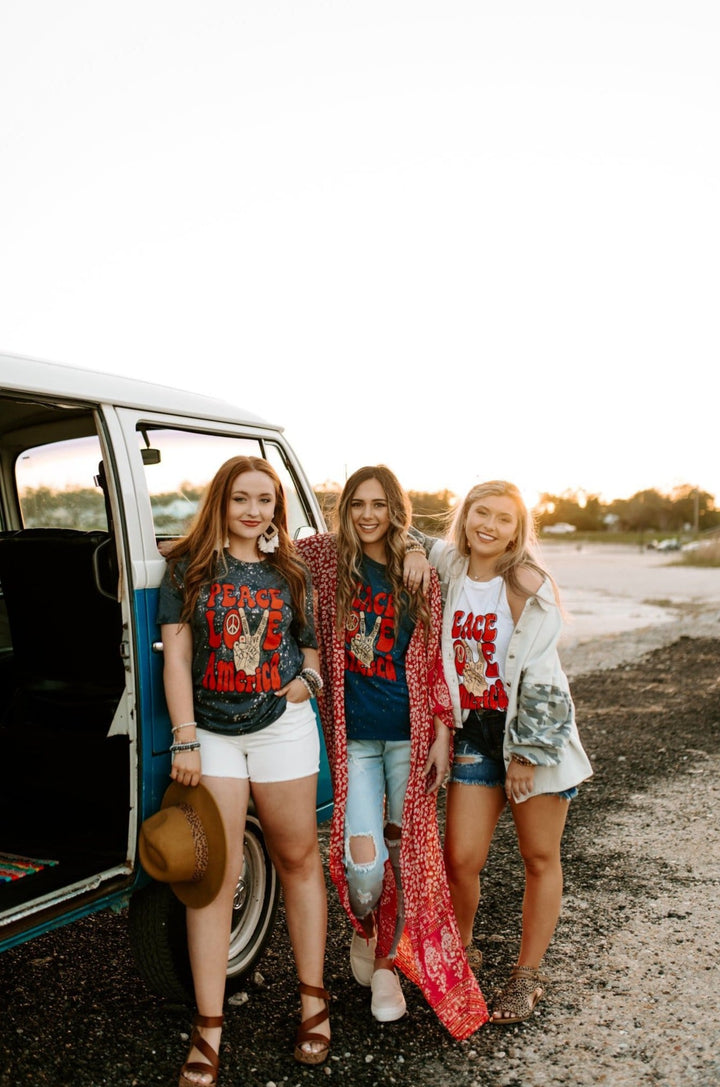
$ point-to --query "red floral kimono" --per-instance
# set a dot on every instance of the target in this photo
(430, 952)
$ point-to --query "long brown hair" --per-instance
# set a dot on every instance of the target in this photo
(204, 544)
(522, 551)
(350, 552)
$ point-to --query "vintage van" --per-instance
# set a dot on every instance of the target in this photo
(95, 472)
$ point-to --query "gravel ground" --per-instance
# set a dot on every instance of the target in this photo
(632, 996)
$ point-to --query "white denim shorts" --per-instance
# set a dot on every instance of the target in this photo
(287, 749)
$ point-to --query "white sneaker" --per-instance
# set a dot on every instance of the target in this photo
(362, 958)
(388, 1002)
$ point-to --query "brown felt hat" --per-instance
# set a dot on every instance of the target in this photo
(183, 844)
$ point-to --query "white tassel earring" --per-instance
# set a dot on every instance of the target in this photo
(269, 540)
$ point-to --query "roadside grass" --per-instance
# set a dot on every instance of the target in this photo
(708, 554)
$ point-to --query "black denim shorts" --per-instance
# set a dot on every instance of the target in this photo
(485, 730)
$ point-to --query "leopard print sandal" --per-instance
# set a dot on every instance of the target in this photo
(520, 996)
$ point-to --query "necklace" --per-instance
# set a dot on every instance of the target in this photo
(476, 577)
(485, 585)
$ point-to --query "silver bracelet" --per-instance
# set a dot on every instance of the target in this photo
(179, 728)
(192, 745)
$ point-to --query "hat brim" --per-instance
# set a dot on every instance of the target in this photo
(201, 892)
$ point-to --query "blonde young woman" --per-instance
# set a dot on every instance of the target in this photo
(241, 663)
(387, 720)
(517, 743)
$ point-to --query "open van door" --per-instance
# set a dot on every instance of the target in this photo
(67, 690)
(97, 473)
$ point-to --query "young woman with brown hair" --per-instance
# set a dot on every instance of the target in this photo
(387, 721)
(241, 663)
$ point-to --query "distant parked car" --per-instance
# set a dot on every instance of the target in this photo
(668, 545)
(562, 528)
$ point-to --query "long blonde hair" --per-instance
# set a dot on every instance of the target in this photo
(350, 552)
(204, 544)
(521, 552)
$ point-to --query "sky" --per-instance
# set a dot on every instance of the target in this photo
(469, 240)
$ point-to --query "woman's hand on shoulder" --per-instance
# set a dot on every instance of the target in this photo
(416, 572)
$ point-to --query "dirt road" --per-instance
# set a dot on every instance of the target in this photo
(622, 601)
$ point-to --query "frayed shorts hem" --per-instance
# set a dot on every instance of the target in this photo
(479, 769)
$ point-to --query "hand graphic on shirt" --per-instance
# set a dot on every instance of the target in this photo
(246, 650)
(472, 672)
(362, 644)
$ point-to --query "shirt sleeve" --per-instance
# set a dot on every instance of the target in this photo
(171, 597)
(307, 638)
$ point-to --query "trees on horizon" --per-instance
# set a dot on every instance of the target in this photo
(685, 509)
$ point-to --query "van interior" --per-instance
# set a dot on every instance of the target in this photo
(65, 794)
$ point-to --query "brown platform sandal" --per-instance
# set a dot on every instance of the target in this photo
(474, 956)
(305, 1031)
(519, 997)
(213, 1060)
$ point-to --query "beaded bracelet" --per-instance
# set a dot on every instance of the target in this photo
(193, 745)
(179, 728)
(310, 680)
(413, 547)
(521, 759)
(313, 677)
(310, 690)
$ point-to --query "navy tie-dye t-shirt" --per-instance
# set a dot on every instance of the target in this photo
(244, 645)
(377, 705)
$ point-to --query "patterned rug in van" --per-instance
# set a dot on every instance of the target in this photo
(13, 867)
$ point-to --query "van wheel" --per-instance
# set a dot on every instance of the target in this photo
(157, 924)
(255, 907)
(159, 942)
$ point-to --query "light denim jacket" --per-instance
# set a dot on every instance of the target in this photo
(540, 721)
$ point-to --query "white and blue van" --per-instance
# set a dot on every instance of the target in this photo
(96, 471)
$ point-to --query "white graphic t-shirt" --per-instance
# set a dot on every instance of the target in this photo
(481, 631)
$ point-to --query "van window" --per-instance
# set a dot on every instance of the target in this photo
(57, 485)
(179, 465)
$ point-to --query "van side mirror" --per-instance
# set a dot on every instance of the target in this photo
(148, 454)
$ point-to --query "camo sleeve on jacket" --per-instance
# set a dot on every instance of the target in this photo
(542, 726)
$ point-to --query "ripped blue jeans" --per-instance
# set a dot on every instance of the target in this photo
(377, 779)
